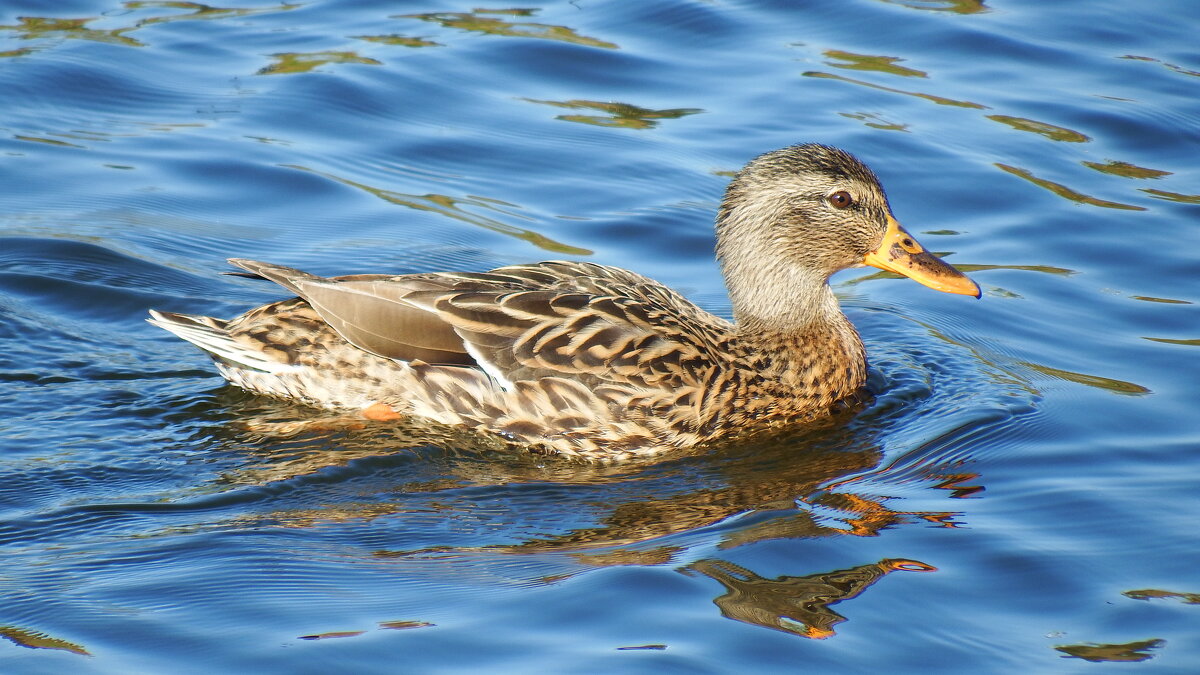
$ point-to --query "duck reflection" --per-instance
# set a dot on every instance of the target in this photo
(797, 605)
(797, 484)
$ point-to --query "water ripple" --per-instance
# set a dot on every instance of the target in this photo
(1026, 450)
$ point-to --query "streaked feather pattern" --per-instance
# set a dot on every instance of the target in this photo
(584, 359)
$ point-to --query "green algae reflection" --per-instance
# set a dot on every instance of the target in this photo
(303, 62)
(619, 114)
(487, 21)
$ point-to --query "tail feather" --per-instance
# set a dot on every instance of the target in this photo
(284, 276)
(212, 335)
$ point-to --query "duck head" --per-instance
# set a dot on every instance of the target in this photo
(793, 217)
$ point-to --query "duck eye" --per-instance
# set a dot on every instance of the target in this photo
(840, 199)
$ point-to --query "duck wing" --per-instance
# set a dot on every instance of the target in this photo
(372, 312)
(590, 323)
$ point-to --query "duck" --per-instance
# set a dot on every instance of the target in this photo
(592, 361)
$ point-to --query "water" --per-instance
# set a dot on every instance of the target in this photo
(1019, 496)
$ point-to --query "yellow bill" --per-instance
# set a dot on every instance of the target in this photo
(901, 253)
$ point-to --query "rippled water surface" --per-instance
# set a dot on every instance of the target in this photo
(1020, 496)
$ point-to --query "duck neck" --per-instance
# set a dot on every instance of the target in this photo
(821, 329)
(787, 316)
(785, 300)
(791, 319)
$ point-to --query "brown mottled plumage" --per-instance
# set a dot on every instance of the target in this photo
(589, 360)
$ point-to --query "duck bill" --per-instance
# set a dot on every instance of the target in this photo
(901, 253)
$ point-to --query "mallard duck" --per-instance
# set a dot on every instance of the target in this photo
(589, 360)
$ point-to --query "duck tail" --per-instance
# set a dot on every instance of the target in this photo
(212, 335)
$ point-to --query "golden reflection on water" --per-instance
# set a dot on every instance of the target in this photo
(33, 27)
(1172, 196)
(1148, 593)
(1064, 191)
(1097, 653)
(199, 11)
(1115, 386)
(956, 6)
(966, 268)
(940, 100)
(1044, 269)
(1125, 169)
(888, 65)
(404, 625)
(383, 625)
(334, 634)
(1054, 133)
(619, 114)
(1167, 301)
(47, 141)
(399, 40)
(657, 647)
(796, 605)
(882, 64)
(303, 62)
(1096, 381)
(970, 268)
(1174, 341)
(452, 207)
(37, 640)
(486, 21)
(1170, 66)
(878, 123)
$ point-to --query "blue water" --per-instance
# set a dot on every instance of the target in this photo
(1033, 455)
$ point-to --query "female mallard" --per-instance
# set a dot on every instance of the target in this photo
(589, 360)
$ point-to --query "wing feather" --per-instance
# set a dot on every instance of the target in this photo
(625, 329)
(591, 325)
